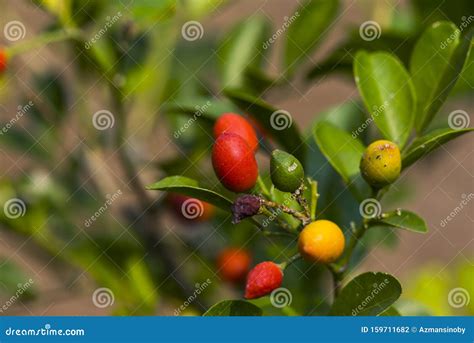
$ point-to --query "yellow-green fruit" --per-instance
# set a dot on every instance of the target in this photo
(381, 163)
(286, 171)
(321, 241)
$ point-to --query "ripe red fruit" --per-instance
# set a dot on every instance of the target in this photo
(3, 60)
(263, 279)
(190, 209)
(233, 264)
(233, 123)
(234, 162)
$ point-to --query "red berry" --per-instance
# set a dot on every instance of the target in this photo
(233, 123)
(233, 264)
(190, 209)
(3, 60)
(263, 279)
(234, 162)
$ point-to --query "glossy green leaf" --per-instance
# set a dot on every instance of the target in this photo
(387, 91)
(368, 294)
(436, 63)
(405, 220)
(425, 144)
(306, 29)
(234, 308)
(279, 124)
(186, 186)
(341, 150)
(242, 48)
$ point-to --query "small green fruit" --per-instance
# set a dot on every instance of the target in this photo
(381, 163)
(286, 171)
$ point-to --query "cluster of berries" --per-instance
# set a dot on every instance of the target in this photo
(320, 241)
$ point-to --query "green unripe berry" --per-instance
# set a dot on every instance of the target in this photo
(286, 171)
(381, 163)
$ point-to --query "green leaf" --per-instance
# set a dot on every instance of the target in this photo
(391, 312)
(306, 29)
(242, 48)
(341, 150)
(184, 185)
(405, 220)
(368, 294)
(436, 63)
(387, 91)
(279, 124)
(234, 308)
(425, 144)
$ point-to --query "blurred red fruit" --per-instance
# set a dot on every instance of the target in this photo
(263, 279)
(3, 60)
(234, 162)
(233, 123)
(233, 264)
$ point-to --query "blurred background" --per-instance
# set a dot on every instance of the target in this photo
(87, 125)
